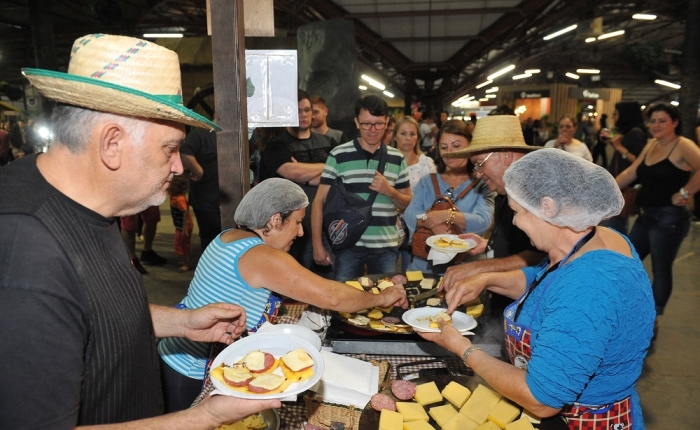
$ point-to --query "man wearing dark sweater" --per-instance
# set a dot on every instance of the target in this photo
(77, 343)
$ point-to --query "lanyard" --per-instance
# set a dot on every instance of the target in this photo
(535, 282)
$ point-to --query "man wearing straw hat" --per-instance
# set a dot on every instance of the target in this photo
(78, 338)
(496, 144)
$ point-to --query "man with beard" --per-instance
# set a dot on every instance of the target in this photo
(318, 121)
(299, 154)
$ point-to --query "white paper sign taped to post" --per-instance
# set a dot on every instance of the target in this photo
(271, 86)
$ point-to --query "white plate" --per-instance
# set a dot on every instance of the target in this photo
(432, 239)
(276, 344)
(294, 330)
(415, 318)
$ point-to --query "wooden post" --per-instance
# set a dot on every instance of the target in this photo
(228, 51)
(689, 94)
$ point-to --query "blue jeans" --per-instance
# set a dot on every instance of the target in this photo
(350, 264)
(659, 231)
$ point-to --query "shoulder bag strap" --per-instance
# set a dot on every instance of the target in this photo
(436, 187)
(469, 188)
(380, 169)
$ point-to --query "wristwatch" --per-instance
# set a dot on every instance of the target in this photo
(624, 156)
(685, 194)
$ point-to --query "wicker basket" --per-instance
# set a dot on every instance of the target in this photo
(323, 414)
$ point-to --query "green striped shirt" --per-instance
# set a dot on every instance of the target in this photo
(357, 167)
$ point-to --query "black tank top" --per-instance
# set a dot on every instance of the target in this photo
(659, 182)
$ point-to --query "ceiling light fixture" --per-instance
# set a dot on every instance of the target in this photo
(492, 90)
(522, 76)
(572, 75)
(642, 107)
(483, 84)
(490, 96)
(590, 39)
(388, 94)
(644, 16)
(162, 35)
(373, 82)
(667, 84)
(503, 71)
(532, 71)
(483, 99)
(363, 87)
(588, 71)
(675, 103)
(560, 32)
(613, 34)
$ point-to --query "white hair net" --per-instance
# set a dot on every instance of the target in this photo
(583, 193)
(269, 197)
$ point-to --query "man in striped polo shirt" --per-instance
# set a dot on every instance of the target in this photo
(356, 162)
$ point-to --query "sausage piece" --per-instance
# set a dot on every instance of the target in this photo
(382, 401)
(399, 279)
(403, 390)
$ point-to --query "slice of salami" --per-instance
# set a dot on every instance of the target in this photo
(399, 279)
(403, 390)
(382, 401)
(391, 320)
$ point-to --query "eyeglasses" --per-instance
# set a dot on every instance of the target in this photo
(369, 125)
(479, 168)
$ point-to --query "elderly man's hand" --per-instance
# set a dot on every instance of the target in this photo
(219, 322)
(226, 409)
(395, 296)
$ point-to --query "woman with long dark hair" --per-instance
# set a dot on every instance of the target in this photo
(664, 169)
(628, 140)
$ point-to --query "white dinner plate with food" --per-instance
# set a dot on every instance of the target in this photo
(278, 344)
(420, 318)
(450, 243)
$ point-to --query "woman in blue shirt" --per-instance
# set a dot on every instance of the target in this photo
(582, 322)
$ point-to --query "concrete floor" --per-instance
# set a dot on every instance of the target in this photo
(670, 382)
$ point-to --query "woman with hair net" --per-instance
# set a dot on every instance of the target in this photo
(249, 266)
(582, 322)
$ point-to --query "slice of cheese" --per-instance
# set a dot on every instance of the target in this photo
(268, 381)
(485, 396)
(427, 394)
(345, 315)
(458, 243)
(377, 325)
(503, 413)
(439, 316)
(375, 314)
(298, 359)
(521, 424)
(414, 276)
(384, 284)
(359, 320)
(390, 420)
(488, 425)
(375, 290)
(417, 425)
(534, 419)
(475, 310)
(460, 422)
(456, 393)
(427, 283)
(475, 411)
(355, 284)
(366, 282)
(411, 411)
(442, 414)
(433, 301)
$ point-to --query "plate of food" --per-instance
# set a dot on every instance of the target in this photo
(426, 319)
(450, 243)
(267, 366)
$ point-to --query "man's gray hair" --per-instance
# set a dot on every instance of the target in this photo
(73, 125)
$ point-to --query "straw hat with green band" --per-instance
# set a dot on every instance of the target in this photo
(122, 75)
(494, 133)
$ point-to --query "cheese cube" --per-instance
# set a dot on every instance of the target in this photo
(411, 411)
(375, 290)
(414, 276)
(442, 414)
(375, 314)
(384, 284)
(390, 420)
(366, 282)
(485, 396)
(456, 393)
(427, 283)
(427, 393)
(475, 411)
(417, 425)
(521, 424)
(386, 310)
(460, 422)
(355, 284)
(377, 325)
(488, 425)
(503, 413)
(475, 310)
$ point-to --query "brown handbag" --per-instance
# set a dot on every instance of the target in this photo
(420, 247)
